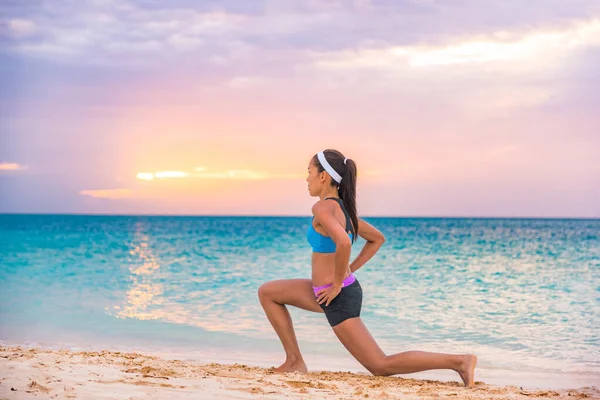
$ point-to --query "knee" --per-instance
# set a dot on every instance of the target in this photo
(263, 291)
(378, 371)
(379, 368)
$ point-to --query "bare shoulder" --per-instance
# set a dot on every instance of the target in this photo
(322, 207)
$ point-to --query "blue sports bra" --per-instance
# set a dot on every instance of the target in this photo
(324, 244)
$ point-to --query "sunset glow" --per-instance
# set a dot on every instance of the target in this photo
(218, 108)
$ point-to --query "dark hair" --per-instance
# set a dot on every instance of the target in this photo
(347, 188)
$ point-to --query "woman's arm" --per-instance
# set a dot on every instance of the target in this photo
(374, 240)
(324, 213)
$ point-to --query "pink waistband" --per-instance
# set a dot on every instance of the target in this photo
(348, 281)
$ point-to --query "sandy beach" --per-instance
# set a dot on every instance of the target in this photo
(62, 374)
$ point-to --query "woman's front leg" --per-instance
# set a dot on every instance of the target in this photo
(273, 297)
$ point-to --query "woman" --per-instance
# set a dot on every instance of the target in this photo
(333, 289)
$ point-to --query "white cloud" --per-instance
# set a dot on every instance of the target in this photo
(148, 176)
(503, 46)
(234, 174)
(171, 174)
(506, 96)
(91, 32)
(519, 48)
(241, 82)
(21, 28)
(256, 37)
(145, 176)
(183, 42)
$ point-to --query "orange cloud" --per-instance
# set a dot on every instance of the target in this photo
(202, 173)
(11, 167)
(112, 194)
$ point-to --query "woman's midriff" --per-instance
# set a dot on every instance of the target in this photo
(323, 269)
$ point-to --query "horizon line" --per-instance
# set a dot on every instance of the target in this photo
(292, 216)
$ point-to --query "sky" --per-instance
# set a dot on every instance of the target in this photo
(455, 108)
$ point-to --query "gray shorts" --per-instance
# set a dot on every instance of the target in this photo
(346, 304)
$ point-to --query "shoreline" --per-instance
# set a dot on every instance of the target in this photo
(39, 373)
(528, 379)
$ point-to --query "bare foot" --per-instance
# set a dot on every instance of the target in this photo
(292, 366)
(466, 370)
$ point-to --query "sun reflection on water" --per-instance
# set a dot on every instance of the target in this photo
(144, 292)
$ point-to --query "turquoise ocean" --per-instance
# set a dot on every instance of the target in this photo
(523, 294)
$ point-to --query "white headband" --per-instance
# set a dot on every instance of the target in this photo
(336, 177)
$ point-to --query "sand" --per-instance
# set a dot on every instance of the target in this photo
(62, 374)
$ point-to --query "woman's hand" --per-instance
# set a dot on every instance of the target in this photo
(328, 294)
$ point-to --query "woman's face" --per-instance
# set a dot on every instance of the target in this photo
(314, 180)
